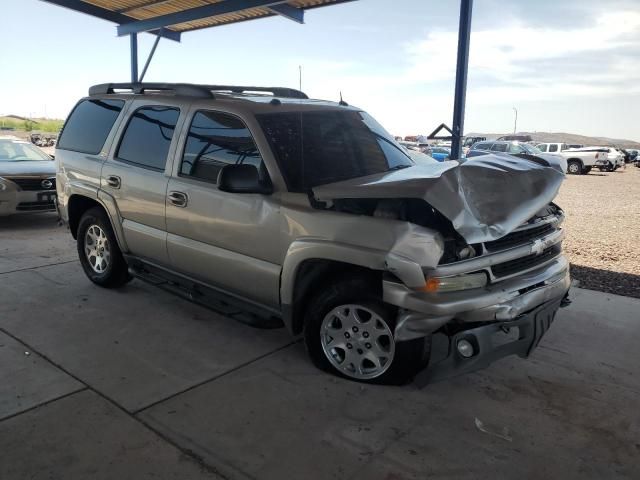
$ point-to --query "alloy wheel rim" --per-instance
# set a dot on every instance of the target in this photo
(357, 341)
(97, 249)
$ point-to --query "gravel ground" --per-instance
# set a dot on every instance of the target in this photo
(603, 229)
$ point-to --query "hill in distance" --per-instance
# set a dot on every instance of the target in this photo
(549, 137)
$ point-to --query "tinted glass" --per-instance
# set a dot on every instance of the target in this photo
(316, 148)
(481, 146)
(89, 124)
(515, 148)
(542, 148)
(553, 147)
(148, 135)
(215, 140)
(499, 147)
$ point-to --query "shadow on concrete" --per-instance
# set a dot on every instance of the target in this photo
(31, 221)
(608, 281)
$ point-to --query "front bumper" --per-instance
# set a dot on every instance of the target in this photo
(423, 313)
(529, 329)
(19, 202)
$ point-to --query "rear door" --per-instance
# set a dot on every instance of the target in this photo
(137, 172)
(229, 240)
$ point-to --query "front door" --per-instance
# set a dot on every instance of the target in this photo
(137, 175)
(228, 240)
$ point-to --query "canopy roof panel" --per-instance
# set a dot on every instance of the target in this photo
(169, 18)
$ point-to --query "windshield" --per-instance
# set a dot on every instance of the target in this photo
(319, 147)
(531, 149)
(11, 151)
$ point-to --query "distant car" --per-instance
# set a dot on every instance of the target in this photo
(27, 178)
(514, 148)
(516, 138)
(580, 161)
(441, 154)
(615, 159)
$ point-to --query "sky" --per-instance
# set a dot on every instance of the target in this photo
(566, 65)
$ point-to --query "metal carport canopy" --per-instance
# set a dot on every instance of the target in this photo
(170, 18)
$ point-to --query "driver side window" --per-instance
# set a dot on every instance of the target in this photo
(217, 139)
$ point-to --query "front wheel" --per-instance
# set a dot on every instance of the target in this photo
(98, 250)
(349, 332)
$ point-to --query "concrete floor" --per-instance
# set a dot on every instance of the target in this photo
(137, 383)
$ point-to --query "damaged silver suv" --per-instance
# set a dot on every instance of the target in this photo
(274, 208)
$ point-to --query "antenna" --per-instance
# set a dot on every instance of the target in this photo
(342, 102)
(300, 77)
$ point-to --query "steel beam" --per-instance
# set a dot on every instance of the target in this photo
(287, 11)
(146, 65)
(464, 39)
(134, 57)
(105, 14)
(211, 10)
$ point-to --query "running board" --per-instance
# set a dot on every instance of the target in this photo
(196, 292)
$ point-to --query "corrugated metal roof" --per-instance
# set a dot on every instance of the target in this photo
(147, 9)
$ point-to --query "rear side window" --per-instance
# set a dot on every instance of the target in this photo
(146, 140)
(499, 147)
(89, 124)
(553, 147)
(217, 139)
(481, 146)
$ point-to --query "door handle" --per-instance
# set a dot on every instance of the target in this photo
(113, 181)
(178, 199)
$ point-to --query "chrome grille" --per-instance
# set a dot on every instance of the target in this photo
(33, 184)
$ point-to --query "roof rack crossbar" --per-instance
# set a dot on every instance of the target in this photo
(193, 90)
(185, 89)
(284, 92)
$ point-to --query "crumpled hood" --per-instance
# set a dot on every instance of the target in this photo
(32, 167)
(485, 198)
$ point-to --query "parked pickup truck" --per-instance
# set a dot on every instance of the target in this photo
(580, 161)
(308, 212)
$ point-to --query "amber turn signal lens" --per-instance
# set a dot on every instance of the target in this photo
(431, 285)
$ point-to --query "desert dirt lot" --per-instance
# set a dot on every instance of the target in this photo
(603, 229)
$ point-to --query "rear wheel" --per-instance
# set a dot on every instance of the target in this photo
(98, 250)
(349, 332)
(574, 167)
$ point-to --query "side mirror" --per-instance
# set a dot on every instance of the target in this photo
(242, 179)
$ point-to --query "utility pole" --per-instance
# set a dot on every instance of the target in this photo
(515, 122)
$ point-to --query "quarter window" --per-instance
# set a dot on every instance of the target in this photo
(148, 135)
(89, 124)
(217, 139)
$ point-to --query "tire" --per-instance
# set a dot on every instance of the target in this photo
(586, 170)
(357, 296)
(574, 167)
(98, 250)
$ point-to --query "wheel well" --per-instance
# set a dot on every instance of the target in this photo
(76, 207)
(313, 274)
(575, 160)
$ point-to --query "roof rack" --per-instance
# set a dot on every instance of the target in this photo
(185, 89)
(192, 90)
(284, 92)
